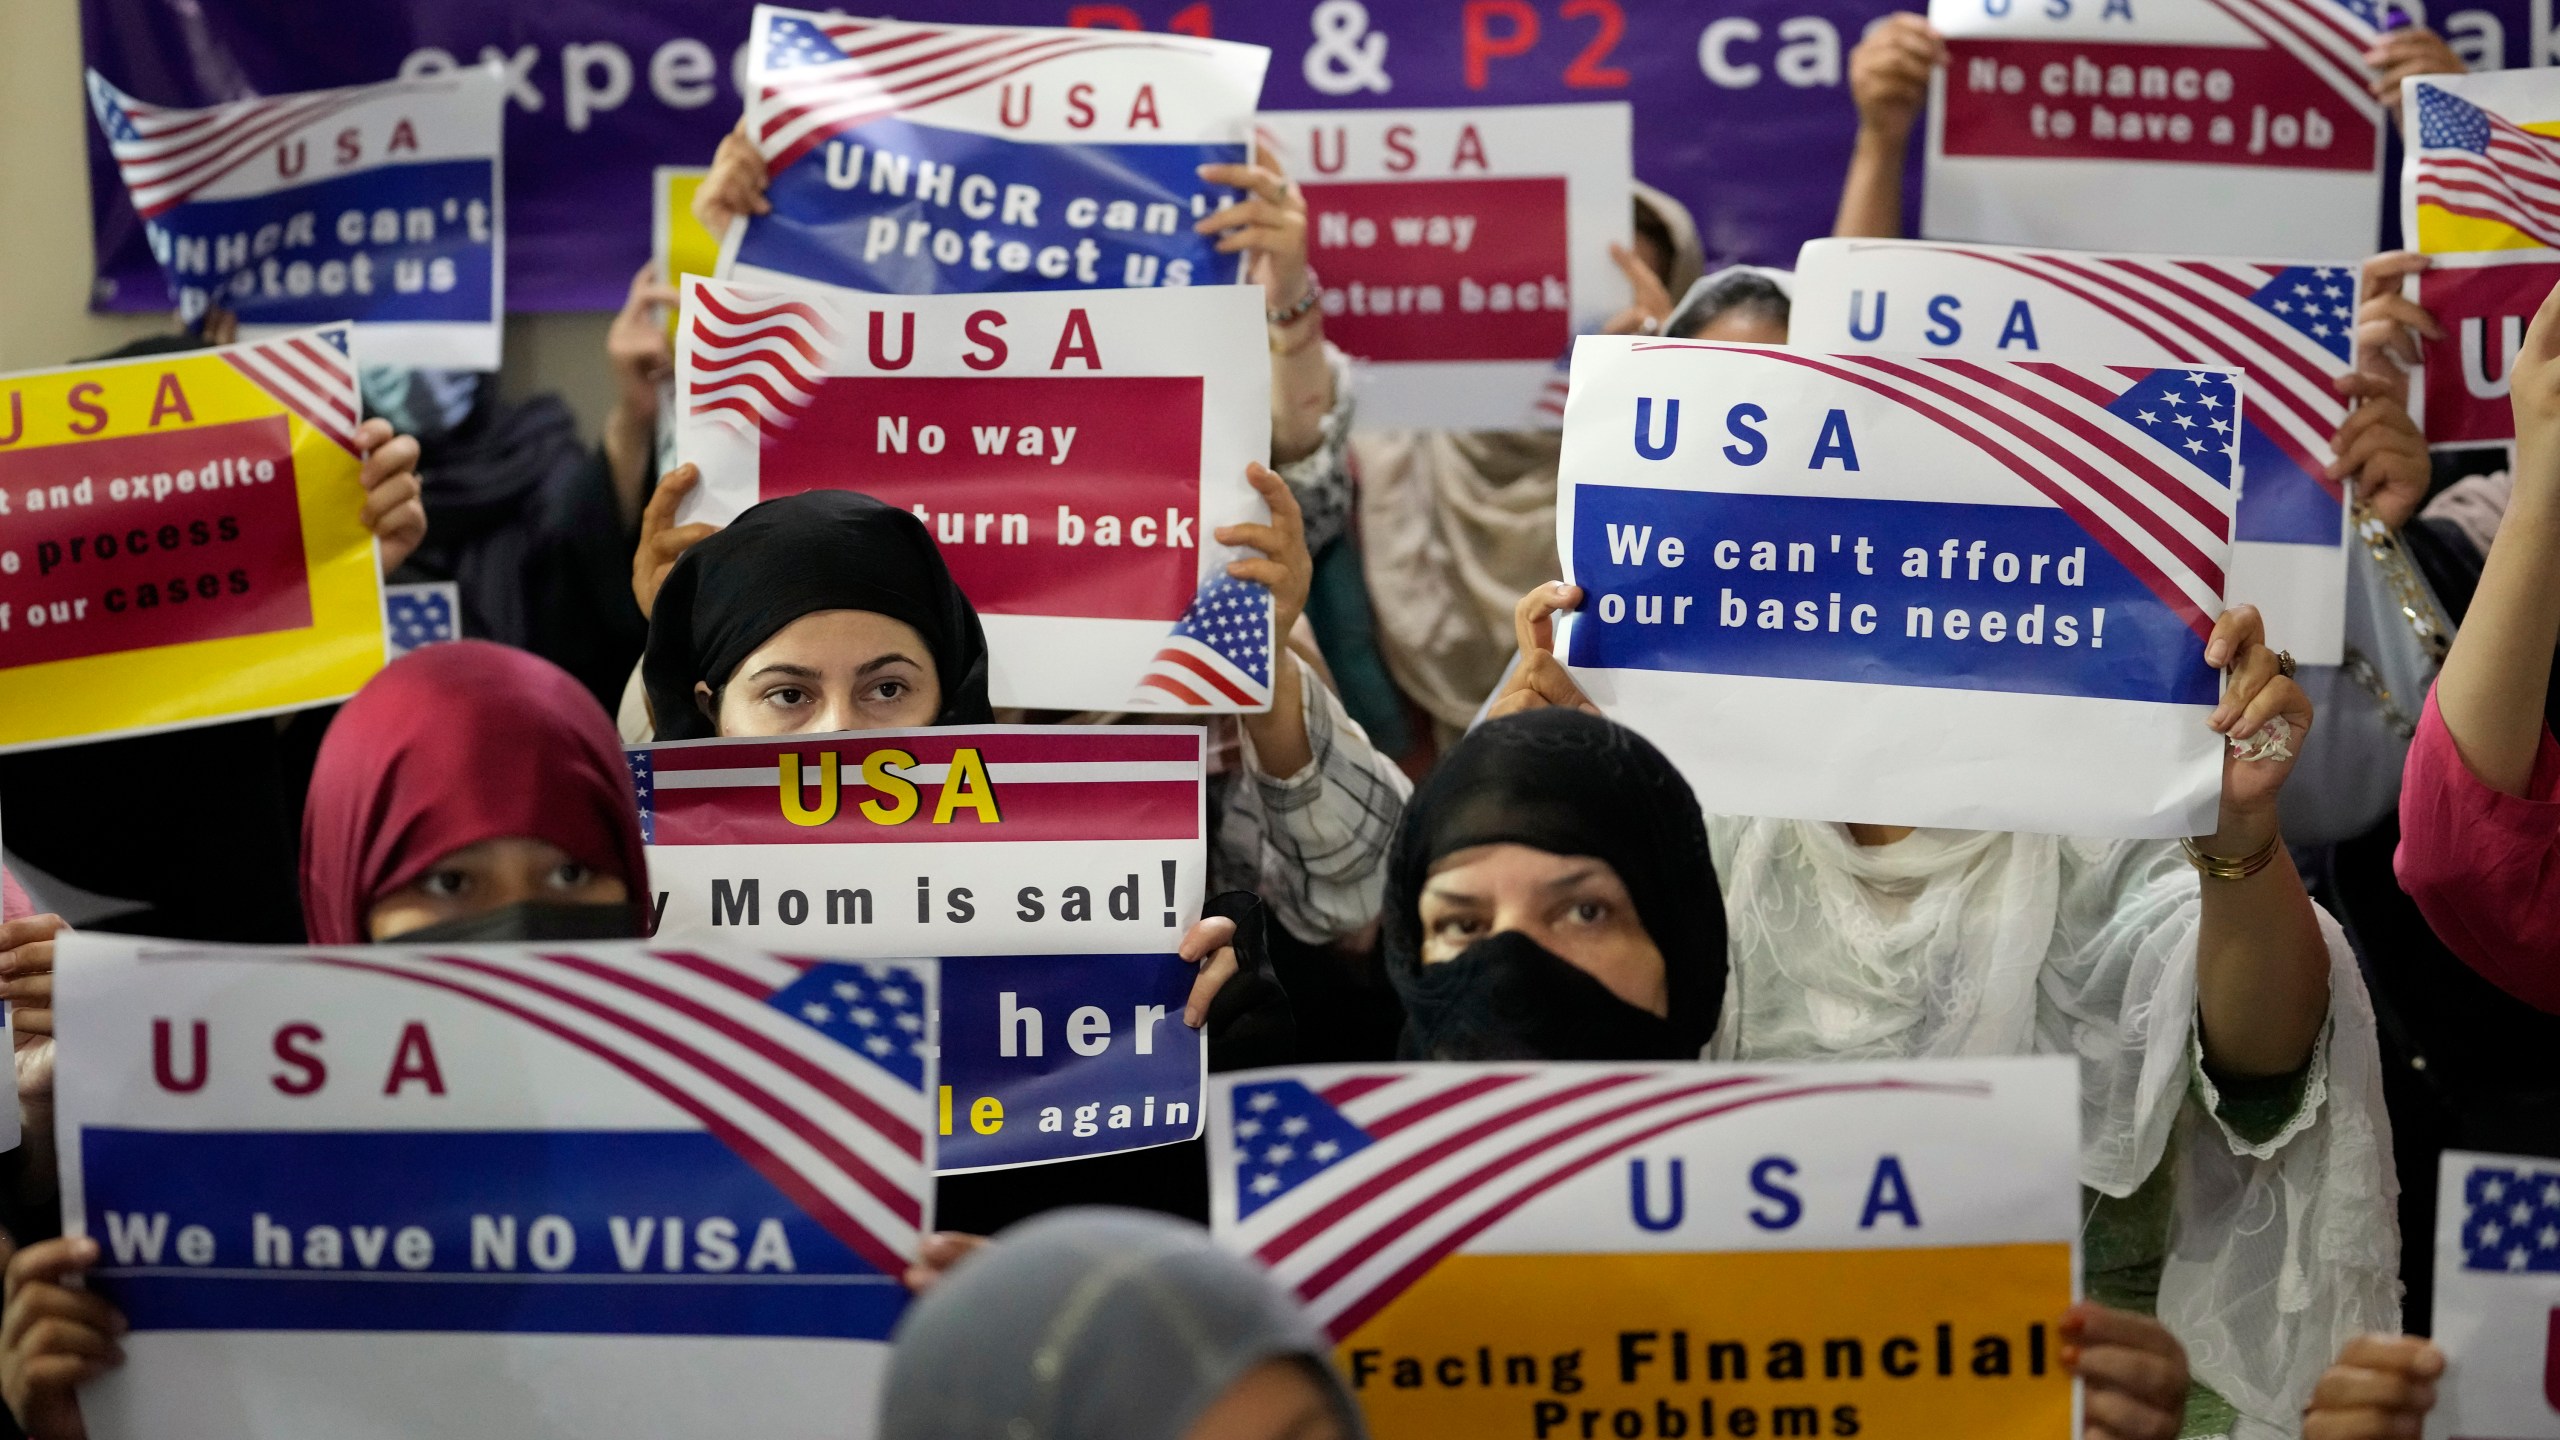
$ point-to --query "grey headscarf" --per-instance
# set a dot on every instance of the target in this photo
(1093, 1324)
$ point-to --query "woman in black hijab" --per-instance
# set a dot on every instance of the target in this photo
(1551, 897)
(816, 612)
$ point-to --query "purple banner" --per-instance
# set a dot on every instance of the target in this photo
(1741, 109)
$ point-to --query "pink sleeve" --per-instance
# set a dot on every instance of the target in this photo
(14, 903)
(2483, 865)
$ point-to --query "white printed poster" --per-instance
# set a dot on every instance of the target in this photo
(381, 204)
(2497, 1297)
(1056, 869)
(591, 1191)
(2215, 127)
(2288, 325)
(924, 159)
(1902, 590)
(1876, 1250)
(1461, 249)
(1073, 455)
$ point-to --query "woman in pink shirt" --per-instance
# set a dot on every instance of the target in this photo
(2480, 800)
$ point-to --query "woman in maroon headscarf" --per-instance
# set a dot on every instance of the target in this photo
(469, 792)
(472, 792)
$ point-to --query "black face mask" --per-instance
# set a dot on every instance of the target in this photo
(1506, 997)
(527, 920)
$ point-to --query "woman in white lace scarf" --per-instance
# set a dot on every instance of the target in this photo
(2234, 1155)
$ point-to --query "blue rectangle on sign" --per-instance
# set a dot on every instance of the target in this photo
(2005, 597)
(904, 209)
(1081, 1054)
(641, 1232)
(402, 243)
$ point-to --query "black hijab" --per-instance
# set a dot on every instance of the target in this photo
(820, 550)
(1568, 783)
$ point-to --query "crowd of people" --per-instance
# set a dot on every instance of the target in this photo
(1434, 846)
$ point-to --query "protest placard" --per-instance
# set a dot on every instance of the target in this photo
(2483, 169)
(2483, 301)
(1055, 868)
(2217, 127)
(1545, 1251)
(1074, 456)
(1460, 249)
(181, 541)
(2289, 325)
(916, 159)
(679, 244)
(625, 1189)
(2497, 1302)
(1904, 590)
(381, 204)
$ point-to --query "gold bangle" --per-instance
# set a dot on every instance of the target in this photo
(2241, 869)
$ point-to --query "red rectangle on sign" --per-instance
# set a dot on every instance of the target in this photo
(1038, 788)
(1065, 495)
(2484, 311)
(1443, 269)
(2192, 104)
(146, 540)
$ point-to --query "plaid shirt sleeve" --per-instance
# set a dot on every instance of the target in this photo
(1326, 829)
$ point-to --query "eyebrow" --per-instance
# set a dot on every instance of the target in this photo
(892, 658)
(796, 672)
(1566, 881)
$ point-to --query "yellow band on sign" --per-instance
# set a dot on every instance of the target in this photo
(1885, 1344)
(182, 542)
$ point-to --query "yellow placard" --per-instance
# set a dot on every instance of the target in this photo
(681, 244)
(181, 541)
(1882, 1344)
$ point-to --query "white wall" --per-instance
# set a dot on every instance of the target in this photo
(45, 270)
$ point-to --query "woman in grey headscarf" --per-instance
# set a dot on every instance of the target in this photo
(1111, 1325)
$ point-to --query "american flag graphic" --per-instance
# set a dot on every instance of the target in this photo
(166, 155)
(428, 612)
(2329, 37)
(2290, 328)
(812, 1071)
(1219, 654)
(309, 373)
(2078, 434)
(827, 74)
(1351, 1189)
(754, 358)
(2511, 1219)
(2473, 161)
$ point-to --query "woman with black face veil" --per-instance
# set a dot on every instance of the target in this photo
(1551, 897)
(1545, 900)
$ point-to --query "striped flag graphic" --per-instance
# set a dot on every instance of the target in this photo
(311, 374)
(812, 1071)
(1351, 1192)
(837, 74)
(2290, 327)
(2472, 161)
(2078, 435)
(2328, 36)
(1123, 783)
(167, 155)
(1219, 653)
(754, 358)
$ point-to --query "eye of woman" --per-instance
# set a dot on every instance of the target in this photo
(788, 696)
(569, 875)
(890, 689)
(444, 884)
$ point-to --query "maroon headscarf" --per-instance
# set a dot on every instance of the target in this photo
(451, 745)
